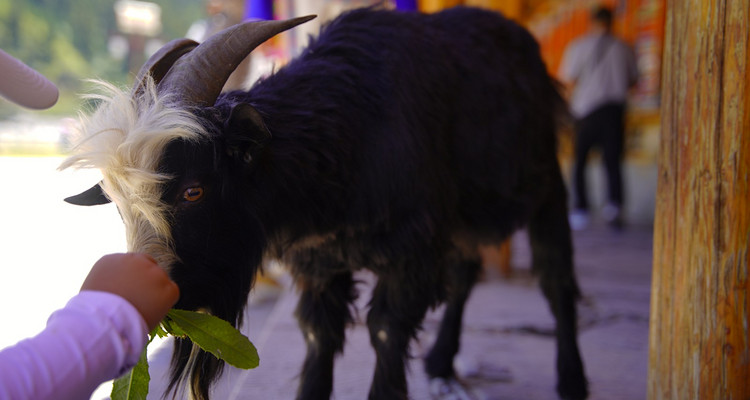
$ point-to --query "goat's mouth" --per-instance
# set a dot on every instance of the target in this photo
(206, 292)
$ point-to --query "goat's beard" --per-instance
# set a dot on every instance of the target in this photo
(195, 369)
(219, 295)
(198, 369)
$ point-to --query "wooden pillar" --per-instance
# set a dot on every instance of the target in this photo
(700, 305)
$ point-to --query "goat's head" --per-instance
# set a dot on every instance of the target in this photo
(171, 162)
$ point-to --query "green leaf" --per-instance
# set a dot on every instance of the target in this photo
(159, 331)
(212, 334)
(217, 337)
(172, 328)
(134, 384)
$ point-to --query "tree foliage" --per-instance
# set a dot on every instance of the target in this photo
(68, 40)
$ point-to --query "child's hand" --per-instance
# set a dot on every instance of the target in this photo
(138, 279)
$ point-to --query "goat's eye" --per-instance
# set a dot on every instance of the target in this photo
(192, 194)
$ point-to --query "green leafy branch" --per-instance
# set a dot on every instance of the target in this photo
(210, 333)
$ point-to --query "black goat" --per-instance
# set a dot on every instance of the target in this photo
(396, 142)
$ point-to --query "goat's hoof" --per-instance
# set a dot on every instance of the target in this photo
(451, 389)
(579, 392)
(574, 397)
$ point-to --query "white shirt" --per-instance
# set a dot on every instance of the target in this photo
(597, 82)
(98, 336)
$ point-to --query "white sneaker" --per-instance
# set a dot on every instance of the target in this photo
(578, 219)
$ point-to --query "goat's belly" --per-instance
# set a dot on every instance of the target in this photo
(378, 251)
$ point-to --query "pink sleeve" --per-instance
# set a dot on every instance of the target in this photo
(96, 337)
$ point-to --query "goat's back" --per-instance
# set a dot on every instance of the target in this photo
(452, 114)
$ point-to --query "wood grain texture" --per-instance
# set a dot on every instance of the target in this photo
(699, 334)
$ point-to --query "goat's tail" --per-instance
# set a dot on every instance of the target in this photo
(192, 369)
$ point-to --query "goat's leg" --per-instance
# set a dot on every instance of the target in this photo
(552, 255)
(439, 361)
(396, 312)
(323, 313)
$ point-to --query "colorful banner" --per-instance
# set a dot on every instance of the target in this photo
(406, 5)
(259, 9)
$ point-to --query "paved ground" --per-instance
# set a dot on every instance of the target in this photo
(507, 348)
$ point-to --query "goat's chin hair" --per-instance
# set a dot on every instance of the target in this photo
(193, 370)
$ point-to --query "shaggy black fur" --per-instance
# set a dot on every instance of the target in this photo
(398, 142)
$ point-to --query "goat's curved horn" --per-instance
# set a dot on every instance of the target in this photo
(160, 62)
(197, 77)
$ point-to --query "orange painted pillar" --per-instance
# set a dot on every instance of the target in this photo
(430, 6)
(496, 259)
(510, 8)
(699, 343)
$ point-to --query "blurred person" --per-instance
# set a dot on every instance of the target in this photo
(102, 331)
(598, 69)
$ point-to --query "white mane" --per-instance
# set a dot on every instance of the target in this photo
(125, 138)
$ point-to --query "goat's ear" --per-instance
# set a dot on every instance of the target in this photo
(91, 197)
(245, 133)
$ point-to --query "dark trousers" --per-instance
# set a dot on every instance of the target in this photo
(603, 128)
